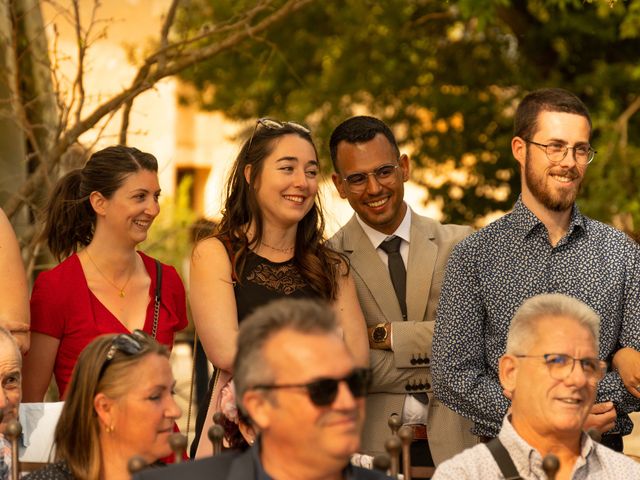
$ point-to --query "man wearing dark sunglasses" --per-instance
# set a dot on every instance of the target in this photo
(550, 372)
(298, 384)
(398, 259)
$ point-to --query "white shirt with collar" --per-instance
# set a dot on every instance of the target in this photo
(595, 462)
(413, 410)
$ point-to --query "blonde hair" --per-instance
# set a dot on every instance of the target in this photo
(77, 433)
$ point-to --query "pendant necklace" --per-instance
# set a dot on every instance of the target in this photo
(120, 289)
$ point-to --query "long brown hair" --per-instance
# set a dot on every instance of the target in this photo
(318, 264)
(77, 432)
(69, 216)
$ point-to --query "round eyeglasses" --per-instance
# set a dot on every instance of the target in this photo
(556, 152)
(561, 365)
(385, 175)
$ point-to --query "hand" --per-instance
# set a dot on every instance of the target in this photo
(602, 417)
(627, 362)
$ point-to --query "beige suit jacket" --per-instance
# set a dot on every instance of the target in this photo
(408, 363)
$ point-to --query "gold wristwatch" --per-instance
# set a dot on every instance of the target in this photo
(379, 333)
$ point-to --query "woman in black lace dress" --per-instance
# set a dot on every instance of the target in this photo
(269, 244)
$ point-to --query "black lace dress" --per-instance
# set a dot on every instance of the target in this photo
(262, 281)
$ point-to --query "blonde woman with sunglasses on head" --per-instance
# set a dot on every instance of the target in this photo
(269, 245)
(119, 404)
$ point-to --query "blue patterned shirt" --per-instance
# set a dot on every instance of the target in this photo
(594, 462)
(491, 273)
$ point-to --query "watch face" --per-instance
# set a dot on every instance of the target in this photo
(379, 334)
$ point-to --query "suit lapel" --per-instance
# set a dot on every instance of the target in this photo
(423, 253)
(369, 267)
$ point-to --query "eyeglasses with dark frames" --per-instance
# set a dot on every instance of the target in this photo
(272, 124)
(130, 344)
(556, 152)
(561, 365)
(323, 391)
(384, 175)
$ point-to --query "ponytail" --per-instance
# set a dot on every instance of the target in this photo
(69, 217)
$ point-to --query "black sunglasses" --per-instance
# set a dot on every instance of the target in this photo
(323, 392)
(128, 343)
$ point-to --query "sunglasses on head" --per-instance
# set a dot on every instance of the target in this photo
(128, 343)
(323, 391)
(272, 124)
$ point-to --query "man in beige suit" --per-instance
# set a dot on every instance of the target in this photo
(398, 259)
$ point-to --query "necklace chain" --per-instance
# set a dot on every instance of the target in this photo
(283, 250)
(120, 289)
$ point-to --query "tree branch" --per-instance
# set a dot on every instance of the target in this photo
(79, 81)
(168, 22)
(145, 79)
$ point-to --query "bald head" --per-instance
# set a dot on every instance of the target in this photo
(10, 378)
(8, 345)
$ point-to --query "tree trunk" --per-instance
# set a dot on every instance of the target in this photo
(36, 89)
(13, 169)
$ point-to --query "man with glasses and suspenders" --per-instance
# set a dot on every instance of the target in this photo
(550, 372)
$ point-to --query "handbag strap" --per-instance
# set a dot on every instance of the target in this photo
(503, 459)
(158, 297)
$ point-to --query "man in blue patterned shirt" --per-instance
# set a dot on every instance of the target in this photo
(544, 245)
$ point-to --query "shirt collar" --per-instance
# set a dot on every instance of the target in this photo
(527, 457)
(525, 221)
(376, 237)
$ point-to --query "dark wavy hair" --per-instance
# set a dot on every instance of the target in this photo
(319, 265)
(69, 218)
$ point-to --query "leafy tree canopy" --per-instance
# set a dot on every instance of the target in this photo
(447, 76)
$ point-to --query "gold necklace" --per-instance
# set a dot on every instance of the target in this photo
(107, 278)
(283, 250)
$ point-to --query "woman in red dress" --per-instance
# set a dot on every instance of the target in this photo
(96, 217)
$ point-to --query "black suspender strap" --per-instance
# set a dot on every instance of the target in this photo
(503, 459)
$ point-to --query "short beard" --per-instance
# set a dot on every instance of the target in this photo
(539, 191)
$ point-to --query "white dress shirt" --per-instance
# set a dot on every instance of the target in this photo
(413, 411)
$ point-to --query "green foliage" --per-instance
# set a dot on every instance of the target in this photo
(446, 75)
(169, 238)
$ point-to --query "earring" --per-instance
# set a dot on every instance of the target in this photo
(109, 429)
